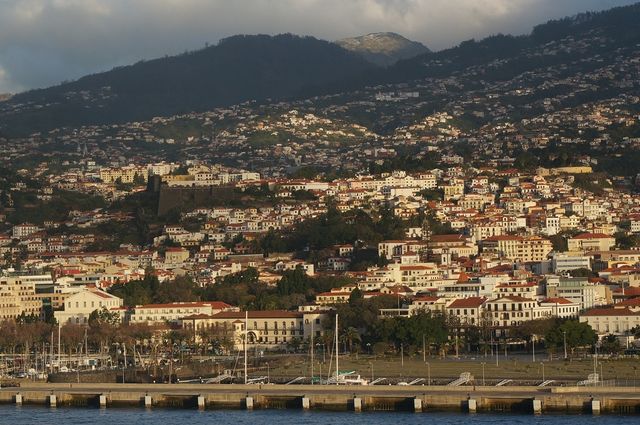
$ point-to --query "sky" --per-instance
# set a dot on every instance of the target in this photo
(45, 42)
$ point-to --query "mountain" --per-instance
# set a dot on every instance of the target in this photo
(556, 43)
(383, 48)
(288, 67)
(236, 70)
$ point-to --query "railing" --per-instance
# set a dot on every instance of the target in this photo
(463, 379)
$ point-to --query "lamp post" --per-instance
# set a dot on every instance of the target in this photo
(564, 340)
(428, 373)
(601, 375)
(542, 364)
(268, 372)
(124, 363)
(371, 366)
(483, 364)
(533, 347)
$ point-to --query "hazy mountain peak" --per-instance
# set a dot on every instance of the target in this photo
(383, 48)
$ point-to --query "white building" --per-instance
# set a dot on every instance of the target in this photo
(79, 306)
(565, 262)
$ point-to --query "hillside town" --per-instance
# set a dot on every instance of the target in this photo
(464, 211)
(483, 248)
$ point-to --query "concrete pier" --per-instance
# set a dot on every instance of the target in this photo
(536, 406)
(472, 405)
(248, 403)
(306, 403)
(529, 400)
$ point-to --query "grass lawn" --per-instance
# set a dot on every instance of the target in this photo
(517, 367)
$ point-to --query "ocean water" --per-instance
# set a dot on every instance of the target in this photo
(14, 415)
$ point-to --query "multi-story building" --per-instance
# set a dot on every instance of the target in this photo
(467, 311)
(562, 307)
(518, 248)
(578, 290)
(513, 310)
(174, 312)
(20, 231)
(18, 297)
(565, 262)
(587, 242)
(265, 330)
(79, 306)
(616, 320)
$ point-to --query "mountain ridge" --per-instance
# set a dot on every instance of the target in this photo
(383, 48)
(237, 69)
(265, 68)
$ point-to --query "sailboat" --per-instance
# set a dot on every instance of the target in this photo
(348, 377)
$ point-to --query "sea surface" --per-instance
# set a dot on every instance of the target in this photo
(14, 415)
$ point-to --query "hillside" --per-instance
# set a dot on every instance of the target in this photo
(384, 48)
(546, 64)
(238, 69)
(502, 57)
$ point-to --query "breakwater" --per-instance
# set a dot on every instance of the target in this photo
(533, 400)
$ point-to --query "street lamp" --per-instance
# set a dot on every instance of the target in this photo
(564, 339)
(542, 364)
(601, 375)
(428, 372)
(483, 364)
(268, 373)
(371, 365)
(533, 347)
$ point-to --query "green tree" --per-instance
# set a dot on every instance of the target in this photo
(610, 344)
(575, 333)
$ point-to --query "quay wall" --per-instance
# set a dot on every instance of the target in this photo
(323, 397)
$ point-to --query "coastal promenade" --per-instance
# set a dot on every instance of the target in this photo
(535, 400)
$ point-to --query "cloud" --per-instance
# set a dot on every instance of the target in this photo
(44, 42)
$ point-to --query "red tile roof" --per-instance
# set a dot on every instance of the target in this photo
(557, 301)
(267, 314)
(611, 312)
(471, 302)
(592, 236)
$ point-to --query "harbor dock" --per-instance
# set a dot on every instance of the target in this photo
(420, 399)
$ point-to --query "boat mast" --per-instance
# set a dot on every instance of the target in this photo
(312, 347)
(246, 335)
(337, 370)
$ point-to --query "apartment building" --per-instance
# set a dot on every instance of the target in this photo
(518, 248)
(18, 297)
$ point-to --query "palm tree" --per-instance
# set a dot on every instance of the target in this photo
(350, 337)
